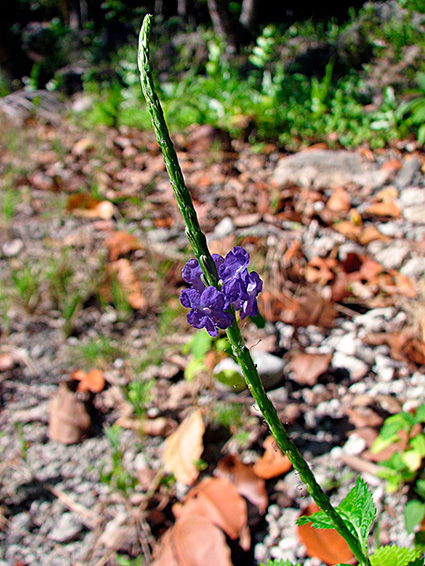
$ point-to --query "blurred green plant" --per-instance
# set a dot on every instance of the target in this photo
(116, 476)
(139, 395)
(405, 465)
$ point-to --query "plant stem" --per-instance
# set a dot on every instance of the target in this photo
(193, 231)
(241, 352)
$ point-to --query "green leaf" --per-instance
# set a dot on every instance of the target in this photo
(281, 562)
(318, 520)
(194, 366)
(418, 444)
(420, 414)
(359, 508)
(412, 459)
(394, 556)
(413, 513)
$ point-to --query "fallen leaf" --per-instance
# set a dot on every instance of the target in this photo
(387, 208)
(184, 447)
(273, 462)
(68, 418)
(218, 500)
(92, 381)
(120, 244)
(86, 206)
(371, 234)
(131, 286)
(339, 201)
(245, 479)
(319, 270)
(7, 361)
(348, 229)
(325, 544)
(161, 426)
(82, 146)
(193, 541)
(306, 368)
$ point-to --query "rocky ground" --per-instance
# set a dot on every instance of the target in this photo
(339, 239)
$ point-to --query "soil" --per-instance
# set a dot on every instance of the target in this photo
(328, 288)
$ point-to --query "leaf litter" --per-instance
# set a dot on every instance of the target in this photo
(316, 282)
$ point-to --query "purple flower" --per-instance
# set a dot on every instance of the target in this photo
(192, 272)
(239, 290)
(208, 309)
(249, 306)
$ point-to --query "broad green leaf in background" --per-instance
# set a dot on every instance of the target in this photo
(413, 513)
(396, 556)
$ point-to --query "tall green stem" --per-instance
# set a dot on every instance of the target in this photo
(241, 352)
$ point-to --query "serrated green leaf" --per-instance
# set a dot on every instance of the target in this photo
(413, 513)
(393, 556)
(318, 520)
(359, 508)
(280, 562)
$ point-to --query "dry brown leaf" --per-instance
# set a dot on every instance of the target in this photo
(325, 544)
(218, 500)
(403, 284)
(82, 146)
(121, 243)
(319, 270)
(68, 418)
(92, 381)
(348, 229)
(339, 201)
(306, 368)
(371, 234)
(309, 309)
(161, 426)
(129, 282)
(385, 208)
(362, 417)
(86, 206)
(245, 479)
(193, 541)
(184, 447)
(273, 462)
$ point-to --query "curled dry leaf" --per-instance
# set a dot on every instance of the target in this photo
(129, 282)
(339, 201)
(218, 500)
(161, 426)
(92, 381)
(245, 479)
(306, 368)
(193, 541)
(385, 208)
(184, 447)
(121, 243)
(273, 462)
(68, 418)
(86, 206)
(325, 544)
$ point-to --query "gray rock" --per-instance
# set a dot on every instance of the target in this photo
(224, 228)
(358, 369)
(407, 172)
(13, 247)
(323, 168)
(411, 197)
(391, 255)
(66, 529)
(415, 267)
(270, 368)
(415, 214)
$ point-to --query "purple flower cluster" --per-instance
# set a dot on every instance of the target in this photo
(239, 289)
